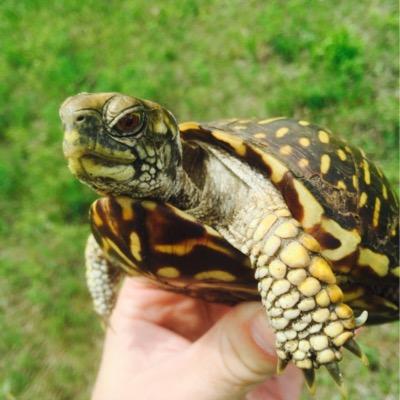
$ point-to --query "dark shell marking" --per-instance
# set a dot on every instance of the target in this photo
(171, 248)
(332, 189)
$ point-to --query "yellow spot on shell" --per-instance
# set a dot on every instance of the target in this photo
(216, 274)
(135, 245)
(168, 272)
(285, 150)
(96, 218)
(384, 192)
(311, 207)
(305, 142)
(348, 149)
(323, 136)
(341, 154)
(367, 174)
(377, 210)
(281, 132)
(378, 262)
(363, 199)
(182, 214)
(126, 205)
(393, 232)
(269, 120)
(185, 126)
(355, 181)
(304, 123)
(149, 205)
(233, 141)
(349, 239)
(396, 271)
(341, 185)
(260, 135)
(278, 169)
(186, 246)
(210, 230)
(303, 162)
(127, 265)
(325, 163)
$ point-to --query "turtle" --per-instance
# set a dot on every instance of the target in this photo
(275, 210)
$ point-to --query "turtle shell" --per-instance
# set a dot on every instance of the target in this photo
(171, 248)
(336, 194)
(339, 196)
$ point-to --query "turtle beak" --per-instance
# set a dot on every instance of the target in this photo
(74, 143)
(80, 116)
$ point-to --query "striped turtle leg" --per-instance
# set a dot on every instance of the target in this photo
(101, 278)
(303, 302)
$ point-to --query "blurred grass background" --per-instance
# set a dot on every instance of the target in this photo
(334, 63)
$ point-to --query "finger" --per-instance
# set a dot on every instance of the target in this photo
(287, 386)
(130, 350)
(235, 356)
(140, 299)
(239, 353)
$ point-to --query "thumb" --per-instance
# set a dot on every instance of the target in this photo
(236, 354)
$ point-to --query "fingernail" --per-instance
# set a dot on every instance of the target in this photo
(262, 333)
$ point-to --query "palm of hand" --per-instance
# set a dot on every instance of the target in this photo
(152, 334)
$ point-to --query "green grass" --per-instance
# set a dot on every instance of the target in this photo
(329, 62)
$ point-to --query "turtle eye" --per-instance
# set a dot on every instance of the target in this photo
(129, 124)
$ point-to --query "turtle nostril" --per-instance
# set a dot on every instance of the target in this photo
(80, 118)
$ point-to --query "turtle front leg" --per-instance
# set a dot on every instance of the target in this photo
(303, 302)
(101, 277)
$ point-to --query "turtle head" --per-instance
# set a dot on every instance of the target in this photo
(121, 145)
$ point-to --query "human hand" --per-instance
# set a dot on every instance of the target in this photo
(162, 345)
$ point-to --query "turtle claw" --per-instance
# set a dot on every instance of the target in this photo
(309, 375)
(280, 367)
(336, 374)
(361, 319)
(353, 347)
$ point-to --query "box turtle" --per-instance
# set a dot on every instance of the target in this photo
(234, 210)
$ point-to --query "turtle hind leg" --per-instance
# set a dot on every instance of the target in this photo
(102, 279)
